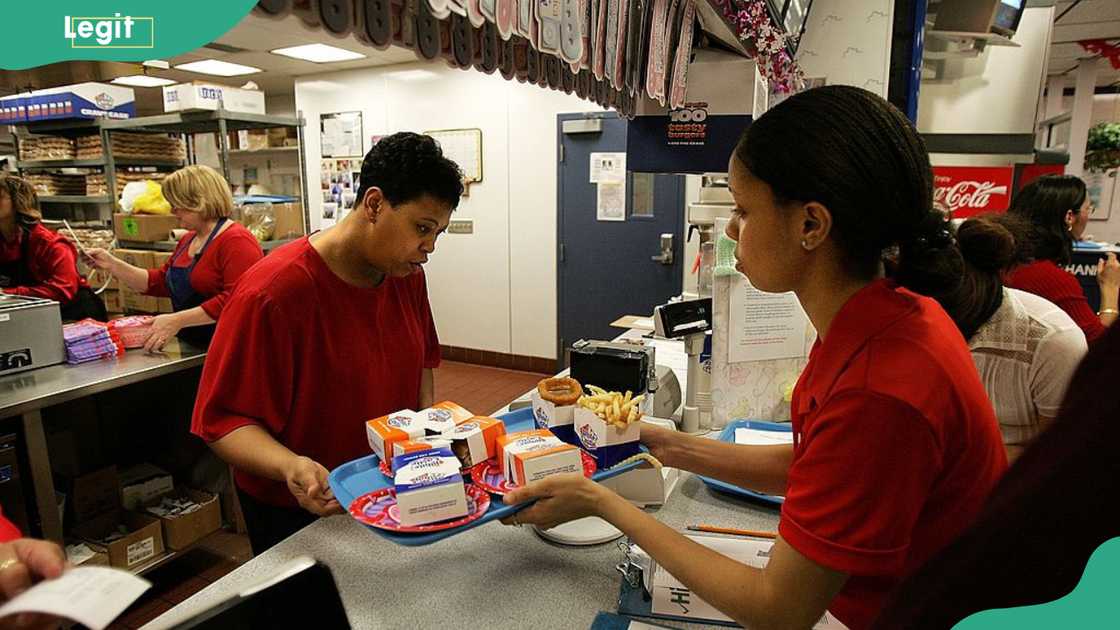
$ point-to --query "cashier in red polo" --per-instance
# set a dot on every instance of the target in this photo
(324, 334)
(896, 446)
(36, 262)
(207, 262)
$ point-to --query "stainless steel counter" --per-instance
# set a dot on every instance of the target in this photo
(26, 393)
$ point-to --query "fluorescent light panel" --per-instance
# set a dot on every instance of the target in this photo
(318, 53)
(217, 68)
(142, 80)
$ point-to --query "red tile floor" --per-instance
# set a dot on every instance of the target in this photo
(480, 389)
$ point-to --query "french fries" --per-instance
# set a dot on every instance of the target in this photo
(616, 408)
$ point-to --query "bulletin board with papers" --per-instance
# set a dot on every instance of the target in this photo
(464, 147)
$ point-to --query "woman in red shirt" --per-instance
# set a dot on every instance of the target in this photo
(324, 334)
(199, 286)
(37, 262)
(1052, 207)
(895, 443)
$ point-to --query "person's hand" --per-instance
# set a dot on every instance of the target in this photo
(659, 440)
(1108, 273)
(164, 327)
(23, 563)
(307, 481)
(559, 499)
(99, 258)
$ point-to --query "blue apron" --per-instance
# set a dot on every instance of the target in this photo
(183, 295)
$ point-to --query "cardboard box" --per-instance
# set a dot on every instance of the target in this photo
(443, 417)
(79, 554)
(159, 259)
(138, 303)
(475, 440)
(289, 220)
(142, 544)
(145, 228)
(93, 494)
(209, 96)
(530, 456)
(279, 136)
(429, 487)
(13, 110)
(401, 426)
(99, 278)
(142, 258)
(81, 101)
(252, 139)
(556, 418)
(608, 444)
(143, 483)
(180, 532)
(417, 446)
(113, 301)
(163, 305)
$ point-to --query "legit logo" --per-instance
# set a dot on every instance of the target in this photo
(110, 32)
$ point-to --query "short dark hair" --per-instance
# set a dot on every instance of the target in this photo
(407, 166)
(855, 153)
(1044, 203)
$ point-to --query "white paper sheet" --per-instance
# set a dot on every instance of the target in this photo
(611, 201)
(756, 437)
(764, 326)
(91, 596)
(607, 168)
(670, 597)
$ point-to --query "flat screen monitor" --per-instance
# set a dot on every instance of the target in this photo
(1008, 14)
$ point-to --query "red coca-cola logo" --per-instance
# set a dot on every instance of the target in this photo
(965, 191)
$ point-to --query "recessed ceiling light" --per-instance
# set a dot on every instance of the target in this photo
(318, 53)
(217, 68)
(142, 80)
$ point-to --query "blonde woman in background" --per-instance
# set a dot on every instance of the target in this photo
(207, 262)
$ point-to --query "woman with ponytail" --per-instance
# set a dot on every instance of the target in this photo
(895, 443)
(1025, 347)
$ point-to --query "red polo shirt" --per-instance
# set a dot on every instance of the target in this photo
(310, 358)
(229, 255)
(51, 263)
(896, 445)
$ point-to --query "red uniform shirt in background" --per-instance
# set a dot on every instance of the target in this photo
(8, 531)
(310, 358)
(896, 446)
(51, 260)
(229, 255)
(1045, 279)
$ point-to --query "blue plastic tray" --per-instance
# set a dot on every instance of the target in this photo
(353, 479)
(728, 435)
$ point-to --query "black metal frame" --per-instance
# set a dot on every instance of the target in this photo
(778, 10)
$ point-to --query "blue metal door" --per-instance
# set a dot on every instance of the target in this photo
(607, 269)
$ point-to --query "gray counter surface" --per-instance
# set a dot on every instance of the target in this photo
(494, 576)
(35, 389)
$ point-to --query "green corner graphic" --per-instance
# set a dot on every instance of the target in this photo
(113, 30)
(1089, 605)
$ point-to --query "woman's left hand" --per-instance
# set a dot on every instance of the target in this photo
(164, 327)
(559, 499)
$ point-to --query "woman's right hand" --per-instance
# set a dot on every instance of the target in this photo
(307, 481)
(1108, 273)
(659, 441)
(99, 258)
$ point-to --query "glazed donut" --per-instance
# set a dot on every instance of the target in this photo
(560, 391)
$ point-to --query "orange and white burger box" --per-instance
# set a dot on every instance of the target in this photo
(400, 426)
(530, 456)
(429, 487)
(443, 417)
(475, 440)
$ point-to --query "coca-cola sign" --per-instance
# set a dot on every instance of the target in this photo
(963, 191)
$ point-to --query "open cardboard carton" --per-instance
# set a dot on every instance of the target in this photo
(180, 532)
(142, 544)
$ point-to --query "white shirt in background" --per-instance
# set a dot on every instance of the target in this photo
(1026, 354)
